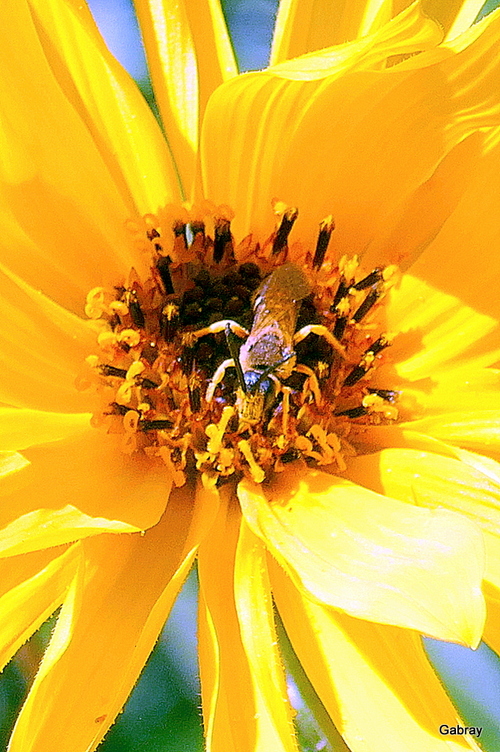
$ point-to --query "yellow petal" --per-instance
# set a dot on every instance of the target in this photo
(62, 214)
(20, 429)
(238, 712)
(189, 55)
(478, 430)
(11, 462)
(454, 16)
(255, 613)
(433, 481)
(437, 330)
(303, 27)
(33, 586)
(85, 485)
(467, 238)
(109, 103)
(108, 625)
(374, 680)
(265, 137)
(410, 32)
(492, 592)
(43, 348)
(371, 555)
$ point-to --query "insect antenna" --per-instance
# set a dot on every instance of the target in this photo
(234, 351)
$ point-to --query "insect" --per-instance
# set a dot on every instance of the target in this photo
(267, 357)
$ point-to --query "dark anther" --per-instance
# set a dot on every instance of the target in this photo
(371, 279)
(365, 306)
(287, 221)
(342, 291)
(169, 322)
(222, 238)
(354, 412)
(389, 395)
(290, 455)
(354, 376)
(119, 409)
(197, 228)
(153, 233)
(148, 384)
(155, 425)
(163, 268)
(325, 232)
(179, 229)
(187, 360)
(380, 344)
(339, 328)
(194, 398)
(136, 313)
(107, 370)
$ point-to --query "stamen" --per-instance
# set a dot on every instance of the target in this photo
(287, 222)
(295, 332)
(223, 238)
(326, 228)
(370, 279)
(163, 269)
(256, 471)
(365, 306)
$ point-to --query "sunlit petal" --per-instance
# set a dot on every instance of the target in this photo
(189, 55)
(81, 482)
(108, 625)
(367, 676)
(33, 586)
(238, 709)
(382, 560)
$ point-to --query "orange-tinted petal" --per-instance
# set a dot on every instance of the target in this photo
(81, 486)
(122, 125)
(371, 555)
(20, 429)
(107, 627)
(374, 680)
(189, 55)
(62, 214)
(238, 713)
(43, 349)
(33, 586)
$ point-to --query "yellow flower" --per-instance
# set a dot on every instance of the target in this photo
(360, 498)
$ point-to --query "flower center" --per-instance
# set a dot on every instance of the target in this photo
(231, 360)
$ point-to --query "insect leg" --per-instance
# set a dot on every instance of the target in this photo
(218, 326)
(321, 331)
(311, 381)
(217, 378)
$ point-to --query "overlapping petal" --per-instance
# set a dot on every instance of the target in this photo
(108, 625)
(43, 347)
(303, 27)
(109, 103)
(77, 487)
(54, 231)
(189, 55)
(367, 676)
(32, 588)
(243, 707)
(414, 117)
(381, 560)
